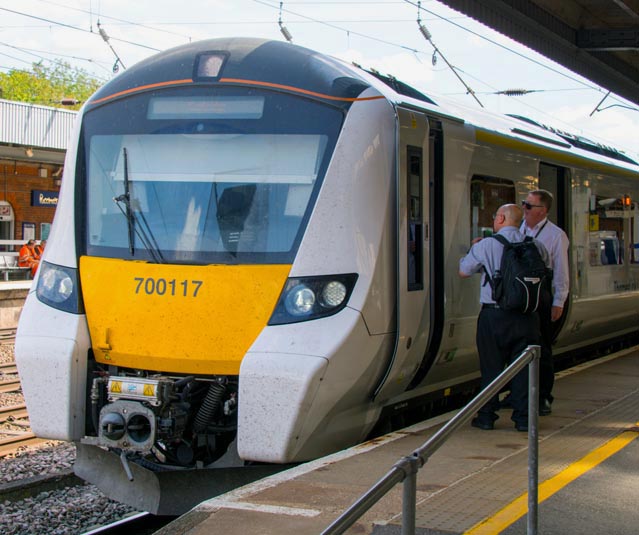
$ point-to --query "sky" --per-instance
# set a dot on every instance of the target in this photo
(383, 35)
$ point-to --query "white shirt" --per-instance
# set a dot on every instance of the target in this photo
(556, 243)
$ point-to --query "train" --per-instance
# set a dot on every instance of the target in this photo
(254, 263)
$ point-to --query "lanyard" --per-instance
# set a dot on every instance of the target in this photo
(542, 228)
(538, 232)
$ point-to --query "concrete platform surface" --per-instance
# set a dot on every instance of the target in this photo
(477, 481)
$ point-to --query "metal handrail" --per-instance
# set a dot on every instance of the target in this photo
(406, 468)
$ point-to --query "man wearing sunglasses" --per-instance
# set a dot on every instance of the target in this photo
(536, 224)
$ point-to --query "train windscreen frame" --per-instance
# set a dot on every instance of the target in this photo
(221, 175)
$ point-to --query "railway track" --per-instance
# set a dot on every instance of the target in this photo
(16, 416)
(11, 444)
(14, 419)
(14, 412)
(10, 386)
(7, 336)
(9, 368)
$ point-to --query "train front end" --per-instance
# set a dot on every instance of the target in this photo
(176, 255)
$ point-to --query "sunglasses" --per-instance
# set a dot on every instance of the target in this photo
(529, 206)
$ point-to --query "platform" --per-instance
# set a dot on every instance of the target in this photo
(477, 482)
(12, 297)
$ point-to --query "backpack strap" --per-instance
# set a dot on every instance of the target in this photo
(501, 239)
(505, 243)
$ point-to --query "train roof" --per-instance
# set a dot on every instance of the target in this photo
(268, 64)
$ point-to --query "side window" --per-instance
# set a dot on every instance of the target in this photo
(612, 227)
(487, 194)
(633, 255)
(415, 204)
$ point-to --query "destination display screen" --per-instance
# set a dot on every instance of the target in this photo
(206, 107)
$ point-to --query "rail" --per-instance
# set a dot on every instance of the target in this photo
(9, 267)
(406, 468)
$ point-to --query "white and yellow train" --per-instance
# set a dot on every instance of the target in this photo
(254, 261)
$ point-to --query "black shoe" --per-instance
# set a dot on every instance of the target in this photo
(545, 408)
(482, 424)
(521, 426)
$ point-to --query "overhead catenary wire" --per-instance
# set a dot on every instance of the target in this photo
(287, 35)
(309, 19)
(70, 26)
(427, 35)
(106, 17)
(504, 47)
(349, 32)
(416, 51)
(330, 25)
(38, 54)
(105, 38)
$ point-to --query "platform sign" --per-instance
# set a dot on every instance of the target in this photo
(593, 224)
(44, 198)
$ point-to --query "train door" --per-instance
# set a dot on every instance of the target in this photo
(556, 180)
(413, 252)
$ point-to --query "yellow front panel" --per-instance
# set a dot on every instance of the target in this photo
(176, 318)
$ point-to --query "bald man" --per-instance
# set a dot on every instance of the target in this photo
(501, 334)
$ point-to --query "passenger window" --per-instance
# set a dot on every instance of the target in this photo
(487, 194)
(611, 222)
(633, 253)
(415, 237)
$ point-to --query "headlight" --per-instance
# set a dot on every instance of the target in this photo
(58, 288)
(333, 294)
(299, 301)
(310, 298)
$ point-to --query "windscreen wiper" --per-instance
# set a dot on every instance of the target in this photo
(134, 227)
(126, 199)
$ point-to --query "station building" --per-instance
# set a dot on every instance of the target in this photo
(33, 142)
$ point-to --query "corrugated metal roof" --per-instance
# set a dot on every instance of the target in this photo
(35, 126)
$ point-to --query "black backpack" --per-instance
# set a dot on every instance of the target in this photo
(523, 281)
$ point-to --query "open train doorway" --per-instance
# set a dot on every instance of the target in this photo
(556, 180)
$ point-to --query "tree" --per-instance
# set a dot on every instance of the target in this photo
(49, 85)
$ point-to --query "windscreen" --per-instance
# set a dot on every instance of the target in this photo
(201, 176)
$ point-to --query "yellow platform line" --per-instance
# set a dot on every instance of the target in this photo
(519, 507)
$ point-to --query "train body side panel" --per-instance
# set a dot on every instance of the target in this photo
(51, 345)
(61, 244)
(351, 230)
(51, 353)
(330, 384)
(604, 296)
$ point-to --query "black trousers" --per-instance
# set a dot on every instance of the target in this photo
(546, 365)
(501, 336)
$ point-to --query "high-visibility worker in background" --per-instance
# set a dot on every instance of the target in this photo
(27, 257)
(38, 248)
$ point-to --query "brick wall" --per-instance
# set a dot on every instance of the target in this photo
(17, 181)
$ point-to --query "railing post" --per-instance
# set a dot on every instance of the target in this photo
(406, 468)
(409, 496)
(533, 440)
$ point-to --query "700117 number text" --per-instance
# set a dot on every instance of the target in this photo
(151, 286)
